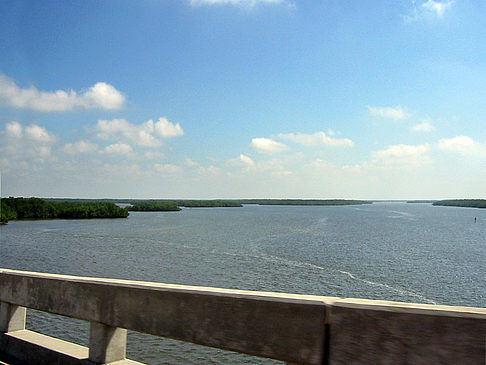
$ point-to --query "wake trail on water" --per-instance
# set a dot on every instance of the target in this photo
(351, 276)
(296, 263)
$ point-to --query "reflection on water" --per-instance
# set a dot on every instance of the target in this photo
(394, 251)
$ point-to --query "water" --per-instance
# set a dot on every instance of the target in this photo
(392, 251)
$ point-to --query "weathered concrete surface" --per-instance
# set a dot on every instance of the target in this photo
(12, 317)
(33, 348)
(107, 344)
(280, 326)
(378, 332)
(294, 328)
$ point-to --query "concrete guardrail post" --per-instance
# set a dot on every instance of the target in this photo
(107, 344)
(12, 317)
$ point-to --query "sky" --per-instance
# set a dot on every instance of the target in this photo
(206, 99)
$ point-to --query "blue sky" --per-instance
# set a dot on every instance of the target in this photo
(243, 99)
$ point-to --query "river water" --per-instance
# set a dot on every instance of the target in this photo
(393, 251)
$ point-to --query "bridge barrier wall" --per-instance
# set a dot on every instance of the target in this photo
(297, 329)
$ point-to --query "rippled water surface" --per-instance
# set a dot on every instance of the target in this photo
(394, 251)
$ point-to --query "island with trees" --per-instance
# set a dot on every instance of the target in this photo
(175, 205)
(468, 203)
(304, 201)
(216, 203)
(155, 206)
(51, 208)
(209, 203)
(162, 204)
(36, 208)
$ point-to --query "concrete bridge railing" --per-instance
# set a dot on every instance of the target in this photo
(297, 329)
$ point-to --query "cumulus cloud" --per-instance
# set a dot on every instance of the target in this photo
(436, 7)
(13, 130)
(463, 145)
(267, 145)
(141, 135)
(425, 126)
(246, 160)
(317, 139)
(39, 134)
(32, 132)
(166, 129)
(118, 149)
(403, 155)
(100, 96)
(146, 134)
(80, 147)
(387, 112)
(242, 161)
(25, 143)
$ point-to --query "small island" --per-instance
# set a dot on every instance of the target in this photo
(468, 203)
(175, 205)
(208, 203)
(36, 208)
(155, 206)
(304, 202)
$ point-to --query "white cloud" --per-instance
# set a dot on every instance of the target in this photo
(403, 155)
(39, 134)
(425, 126)
(146, 134)
(242, 161)
(80, 147)
(104, 96)
(170, 168)
(247, 160)
(13, 130)
(166, 129)
(120, 128)
(267, 145)
(99, 96)
(22, 144)
(32, 132)
(317, 139)
(436, 7)
(118, 149)
(427, 9)
(395, 113)
(463, 145)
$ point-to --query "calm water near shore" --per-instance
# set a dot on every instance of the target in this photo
(394, 251)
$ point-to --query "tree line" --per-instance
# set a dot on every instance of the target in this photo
(469, 203)
(36, 208)
(304, 201)
(155, 206)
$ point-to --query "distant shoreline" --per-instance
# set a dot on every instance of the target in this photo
(173, 204)
(465, 203)
(13, 209)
